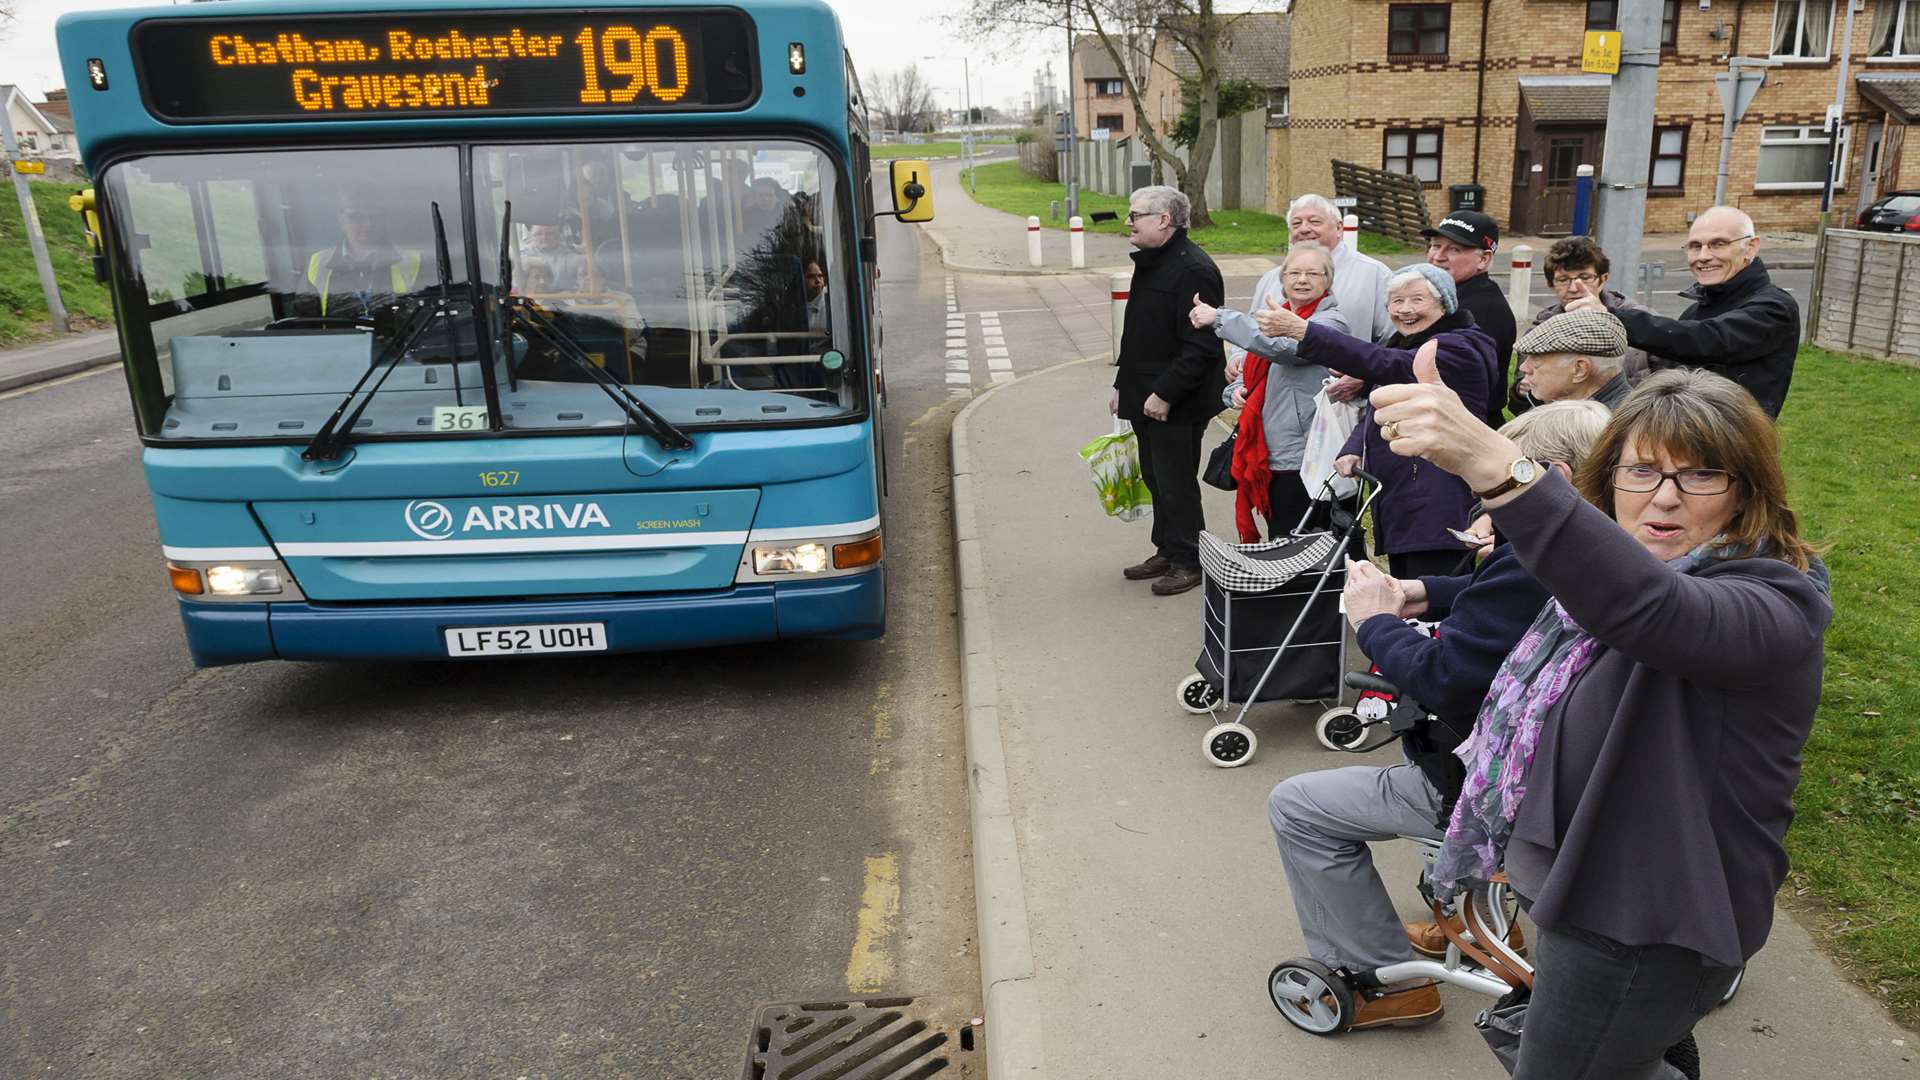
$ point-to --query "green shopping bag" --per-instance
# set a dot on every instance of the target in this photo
(1115, 461)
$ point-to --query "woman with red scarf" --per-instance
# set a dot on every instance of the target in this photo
(1274, 389)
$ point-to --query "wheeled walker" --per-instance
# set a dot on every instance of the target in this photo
(1272, 629)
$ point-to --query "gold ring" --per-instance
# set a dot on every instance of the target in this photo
(1391, 430)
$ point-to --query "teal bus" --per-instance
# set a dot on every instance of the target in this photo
(467, 332)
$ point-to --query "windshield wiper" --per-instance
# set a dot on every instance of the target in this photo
(334, 435)
(643, 415)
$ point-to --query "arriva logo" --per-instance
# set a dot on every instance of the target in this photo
(433, 521)
(429, 520)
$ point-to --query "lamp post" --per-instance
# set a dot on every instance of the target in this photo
(966, 134)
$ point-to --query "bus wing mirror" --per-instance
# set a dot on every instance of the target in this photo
(912, 190)
(82, 202)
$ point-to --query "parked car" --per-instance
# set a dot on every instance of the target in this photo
(1898, 212)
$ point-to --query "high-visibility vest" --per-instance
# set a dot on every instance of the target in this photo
(320, 272)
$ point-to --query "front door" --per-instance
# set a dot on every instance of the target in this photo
(1563, 152)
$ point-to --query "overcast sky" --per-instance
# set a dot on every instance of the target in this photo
(882, 34)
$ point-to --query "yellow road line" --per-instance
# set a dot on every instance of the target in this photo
(870, 968)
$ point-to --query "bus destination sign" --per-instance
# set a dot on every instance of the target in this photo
(489, 63)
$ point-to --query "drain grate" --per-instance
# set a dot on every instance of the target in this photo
(876, 1039)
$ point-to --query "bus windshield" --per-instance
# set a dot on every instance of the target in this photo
(258, 287)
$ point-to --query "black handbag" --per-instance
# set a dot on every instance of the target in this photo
(1219, 470)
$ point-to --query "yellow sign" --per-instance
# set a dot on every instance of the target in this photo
(35, 167)
(912, 189)
(1601, 56)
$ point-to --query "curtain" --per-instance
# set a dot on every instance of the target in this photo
(1786, 22)
(1880, 38)
(1910, 33)
(1819, 26)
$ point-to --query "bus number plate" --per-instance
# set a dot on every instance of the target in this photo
(459, 418)
(516, 640)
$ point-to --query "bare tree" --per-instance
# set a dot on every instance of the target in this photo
(905, 99)
(1126, 30)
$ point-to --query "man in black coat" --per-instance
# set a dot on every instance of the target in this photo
(1462, 244)
(1740, 324)
(1170, 380)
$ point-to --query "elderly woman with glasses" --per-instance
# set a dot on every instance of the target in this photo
(1417, 505)
(1635, 758)
(1273, 389)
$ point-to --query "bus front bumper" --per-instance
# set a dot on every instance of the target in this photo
(234, 633)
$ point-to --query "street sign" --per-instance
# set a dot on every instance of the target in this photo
(37, 168)
(1345, 202)
(1601, 56)
(1100, 134)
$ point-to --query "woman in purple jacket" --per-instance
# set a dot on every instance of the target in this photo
(1418, 503)
(1635, 758)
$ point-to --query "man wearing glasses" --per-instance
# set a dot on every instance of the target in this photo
(1171, 376)
(1740, 324)
(364, 270)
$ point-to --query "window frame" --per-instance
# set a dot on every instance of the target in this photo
(1897, 34)
(1417, 11)
(1800, 31)
(1612, 20)
(1819, 131)
(1119, 125)
(1654, 158)
(1108, 87)
(1413, 155)
(1670, 42)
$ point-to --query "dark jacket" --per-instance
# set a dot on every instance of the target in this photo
(1419, 502)
(1662, 784)
(1633, 365)
(1613, 392)
(1482, 617)
(1161, 352)
(1487, 301)
(1745, 328)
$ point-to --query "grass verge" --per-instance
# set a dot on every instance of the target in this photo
(1846, 436)
(1005, 186)
(23, 307)
(884, 151)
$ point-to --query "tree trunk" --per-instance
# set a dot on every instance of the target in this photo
(1206, 56)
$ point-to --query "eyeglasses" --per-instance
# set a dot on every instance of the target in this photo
(1714, 247)
(1644, 478)
(1584, 279)
(1302, 275)
(1136, 215)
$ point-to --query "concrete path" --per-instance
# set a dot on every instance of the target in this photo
(54, 359)
(1131, 902)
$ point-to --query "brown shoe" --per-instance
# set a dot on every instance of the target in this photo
(1412, 1003)
(1178, 580)
(1147, 571)
(1428, 940)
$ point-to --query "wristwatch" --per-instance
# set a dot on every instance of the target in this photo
(1521, 471)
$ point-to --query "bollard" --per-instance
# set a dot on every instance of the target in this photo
(1520, 287)
(1121, 283)
(1053, 210)
(1076, 243)
(1350, 232)
(1583, 200)
(1033, 240)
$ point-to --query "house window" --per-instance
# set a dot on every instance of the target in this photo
(1896, 29)
(1669, 172)
(1278, 102)
(1603, 14)
(1416, 153)
(1802, 29)
(1110, 121)
(1795, 159)
(1107, 87)
(1417, 29)
(1670, 26)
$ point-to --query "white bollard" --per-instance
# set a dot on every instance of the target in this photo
(1076, 243)
(1520, 286)
(1033, 240)
(1121, 283)
(1350, 232)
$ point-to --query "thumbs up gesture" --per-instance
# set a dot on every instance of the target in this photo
(1276, 321)
(1426, 419)
(1203, 313)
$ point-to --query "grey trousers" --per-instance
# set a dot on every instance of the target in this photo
(1322, 822)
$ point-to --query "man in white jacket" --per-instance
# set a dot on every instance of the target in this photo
(1359, 281)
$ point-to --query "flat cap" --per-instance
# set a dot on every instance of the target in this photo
(1588, 333)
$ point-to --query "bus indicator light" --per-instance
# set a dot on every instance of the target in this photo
(186, 580)
(859, 553)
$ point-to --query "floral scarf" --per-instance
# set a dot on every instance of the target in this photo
(1499, 753)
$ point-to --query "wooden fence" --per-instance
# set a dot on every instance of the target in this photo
(1386, 202)
(1869, 298)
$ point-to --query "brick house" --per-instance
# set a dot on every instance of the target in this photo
(1491, 93)
(1099, 94)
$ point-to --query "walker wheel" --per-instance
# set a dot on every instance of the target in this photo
(1228, 745)
(1196, 695)
(1341, 728)
(1311, 996)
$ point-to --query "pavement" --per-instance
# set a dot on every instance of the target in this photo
(55, 359)
(1131, 902)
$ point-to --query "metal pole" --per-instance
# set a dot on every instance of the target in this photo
(967, 139)
(49, 288)
(1073, 169)
(1737, 87)
(1620, 196)
(1836, 122)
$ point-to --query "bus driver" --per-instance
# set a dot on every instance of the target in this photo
(364, 269)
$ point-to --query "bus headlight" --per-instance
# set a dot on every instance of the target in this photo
(806, 558)
(210, 580)
(243, 580)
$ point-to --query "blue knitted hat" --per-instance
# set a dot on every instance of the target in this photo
(1441, 280)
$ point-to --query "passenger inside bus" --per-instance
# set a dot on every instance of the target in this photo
(363, 269)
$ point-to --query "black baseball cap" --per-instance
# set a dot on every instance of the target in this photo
(1469, 228)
